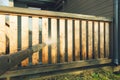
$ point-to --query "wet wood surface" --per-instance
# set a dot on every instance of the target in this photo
(54, 40)
(90, 39)
(70, 39)
(24, 33)
(44, 39)
(35, 38)
(77, 40)
(101, 39)
(107, 44)
(83, 39)
(62, 40)
(96, 39)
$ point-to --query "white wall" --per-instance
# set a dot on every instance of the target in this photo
(6, 3)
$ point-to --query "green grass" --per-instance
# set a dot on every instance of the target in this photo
(87, 75)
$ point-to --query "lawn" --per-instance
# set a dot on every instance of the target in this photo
(87, 75)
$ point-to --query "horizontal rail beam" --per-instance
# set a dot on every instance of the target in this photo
(25, 11)
(46, 68)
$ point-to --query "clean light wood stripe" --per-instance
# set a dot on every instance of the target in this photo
(101, 39)
(54, 40)
(24, 35)
(69, 33)
(90, 39)
(35, 39)
(96, 39)
(13, 33)
(62, 40)
(77, 40)
(83, 39)
(44, 40)
(2, 35)
(107, 39)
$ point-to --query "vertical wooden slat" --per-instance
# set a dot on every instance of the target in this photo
(77, 40)
(101, 39)
(90, 39)
(54, 40)
(24, 33)
(107, 39)
(96, 39)
(83, 39)
(69, 28)
(35, 39)
(44, 39)
(2, 35)
(13, 34)
(62, 40)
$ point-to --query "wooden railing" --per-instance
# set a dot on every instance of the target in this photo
(69, 37)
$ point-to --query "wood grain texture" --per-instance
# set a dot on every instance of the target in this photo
(25, 11)
(70, 39)
(90, 39)
(96, 39)
(54, 40)
(107, 26)
(13, 33)
(2, 34)
(35, 39)
(77, 40)
(44, 39)
(62, 40)
(83, 39)
(48, 68)
(101, 39)
(24, 33)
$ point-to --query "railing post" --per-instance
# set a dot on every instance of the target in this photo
(116, 58)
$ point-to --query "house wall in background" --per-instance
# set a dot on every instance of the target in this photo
(90, 7)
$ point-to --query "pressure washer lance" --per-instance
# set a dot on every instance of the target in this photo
(11, 60)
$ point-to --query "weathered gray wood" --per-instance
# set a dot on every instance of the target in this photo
(46, 68)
